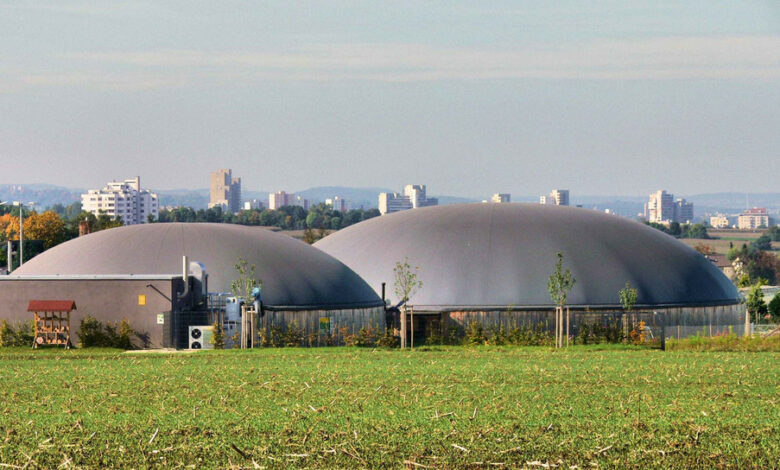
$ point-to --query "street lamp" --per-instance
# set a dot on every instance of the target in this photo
(20, 205)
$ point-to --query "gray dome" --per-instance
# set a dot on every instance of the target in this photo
(482, 255)
(293, 273)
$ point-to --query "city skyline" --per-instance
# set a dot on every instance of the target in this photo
(601, 99)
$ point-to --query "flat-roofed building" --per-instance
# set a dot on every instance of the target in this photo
(661, 208)
(414, 197)
(754, 218)
(225, 191)
(337, 203)
(557, 197)
(281, 199)
(501, 198)
(720, 221)
(123, 199)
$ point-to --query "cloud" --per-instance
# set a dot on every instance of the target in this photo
(664, 58)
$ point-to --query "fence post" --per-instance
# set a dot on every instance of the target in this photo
(403, 327)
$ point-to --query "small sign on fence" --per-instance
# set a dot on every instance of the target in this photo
(325, 326)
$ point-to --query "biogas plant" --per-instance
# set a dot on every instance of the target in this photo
(484, 263)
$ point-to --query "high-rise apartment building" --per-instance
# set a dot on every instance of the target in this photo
(414, 196)
(558, 197)
(754, 218)
(662, 208)
(337, 203)
(281, 199)
(123, 199)
(501, 198)
(225, 191)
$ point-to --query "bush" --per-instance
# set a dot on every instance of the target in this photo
(729, 341)
(475, 333)
(293, 336)
(774, 307)
(218, 337)
(388, 339)
(93, 333)
(366, 337)
(530, 335)
(16, 334)
(597, 333)
(498, 336)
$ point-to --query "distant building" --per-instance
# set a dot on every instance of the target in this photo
(720, 221)
(722, 262)
(254, 204)
(662, 208)
(414, 196)
(558, 197)
(281, 199)
(123, 199)
(754, 218)
(337, 203)
(225, 191)
(501, 198)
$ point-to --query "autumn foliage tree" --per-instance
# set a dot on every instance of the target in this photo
(47, 227)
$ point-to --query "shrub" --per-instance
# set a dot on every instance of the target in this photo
(498, 336)
(218, 336)
(388, 339)
(348, 338)
(293, 336)
(530, 335)
(93, 333)
(725, 342)
(366, 337)
(435, 336)
(17, 334)
(475, 333)
(774, 307)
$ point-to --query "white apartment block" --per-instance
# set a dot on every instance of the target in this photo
(281, 199)
(752, 219)
(254, 204)
(123, 199)
(337, 203)
(500, 198)
(558, 197)
(720, 221)
(661, 208)
(414, 196)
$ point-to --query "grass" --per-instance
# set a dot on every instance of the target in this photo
(444, 407)
(729, 342)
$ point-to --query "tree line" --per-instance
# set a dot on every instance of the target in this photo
(60, 223)
(320, 216)
(678, 230)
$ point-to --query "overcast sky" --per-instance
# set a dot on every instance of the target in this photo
(471, 98)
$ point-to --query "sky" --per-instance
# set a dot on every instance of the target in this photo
(471, 98)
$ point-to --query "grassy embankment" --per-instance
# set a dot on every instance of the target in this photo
(341, 407)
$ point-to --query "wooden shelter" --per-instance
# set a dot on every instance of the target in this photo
(52, 322)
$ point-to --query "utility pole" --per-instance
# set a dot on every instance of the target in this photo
(21, 234)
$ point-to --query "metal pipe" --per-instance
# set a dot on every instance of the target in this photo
(184, 276)
(21, 234)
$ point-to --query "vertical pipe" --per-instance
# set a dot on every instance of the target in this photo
(10, 256)
(21, 234)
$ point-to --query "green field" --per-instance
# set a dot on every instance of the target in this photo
(343, 407)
